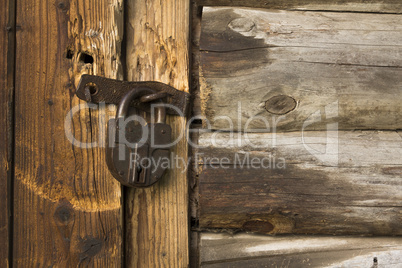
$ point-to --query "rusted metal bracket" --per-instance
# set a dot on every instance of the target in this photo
(98, 89)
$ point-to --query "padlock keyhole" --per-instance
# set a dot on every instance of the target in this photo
(140, 174)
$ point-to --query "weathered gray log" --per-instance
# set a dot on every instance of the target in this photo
(346, 183)
(290, 67)
(383, 6)
(243, 250)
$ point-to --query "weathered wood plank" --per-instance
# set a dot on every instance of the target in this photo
(347, 64)
(67, 205)
(243, 250)
(347, 183)
(7, 53)
(157, 217)
(387, 6)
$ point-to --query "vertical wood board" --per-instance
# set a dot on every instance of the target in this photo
(157, 217)
(7, 52)
(67, 207)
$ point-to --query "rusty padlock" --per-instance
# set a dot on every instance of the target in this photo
(136, 154)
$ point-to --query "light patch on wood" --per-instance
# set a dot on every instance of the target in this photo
(311, 244)
(244, 250)
(390, 258)
(53, 193)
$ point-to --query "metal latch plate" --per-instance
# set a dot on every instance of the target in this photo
(98, 89)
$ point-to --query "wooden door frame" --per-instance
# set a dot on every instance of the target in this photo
(53, 42)
(157, 48)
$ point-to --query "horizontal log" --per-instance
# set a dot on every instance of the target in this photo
(289, 71)
(383, 6)
(338, 183)
(244, 250)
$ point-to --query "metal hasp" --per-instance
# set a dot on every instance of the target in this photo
(98, 89)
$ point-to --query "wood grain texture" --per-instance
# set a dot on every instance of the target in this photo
(387, 6)
(157, 217)
(342, 64)
(67, 205)
(7, 53)
(346, 183)
(244, 250)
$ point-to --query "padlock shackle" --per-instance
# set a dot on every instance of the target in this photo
(124, 105)
(161, 114)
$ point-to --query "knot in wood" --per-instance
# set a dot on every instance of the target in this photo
(280, 104)
(241, 25)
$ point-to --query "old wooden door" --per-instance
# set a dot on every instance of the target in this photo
(60, 206)
(327, 67)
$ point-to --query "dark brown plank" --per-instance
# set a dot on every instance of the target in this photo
(196, 18)
(346, 67)
(158, 35)
(7, 53)
(388, 6)
(281, 184)
(67, 205)
(244, 250)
